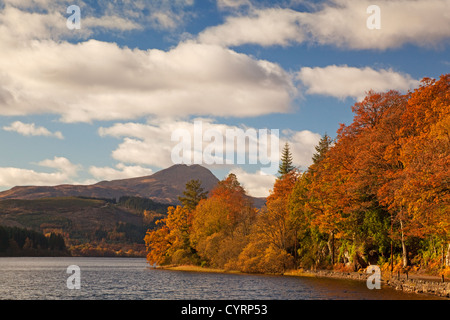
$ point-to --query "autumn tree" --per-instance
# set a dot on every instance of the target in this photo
(384, 179)
(345, 178)
(419, 190)
(272, 240)
(221, 224)
(379, 190)
(157, 243)
(170, 242)
(279, 225)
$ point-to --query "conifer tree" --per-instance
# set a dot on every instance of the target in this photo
(322, 148)
(286, 161)
(193, 194)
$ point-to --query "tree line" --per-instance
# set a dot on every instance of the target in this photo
(376, 194)
(16, 241)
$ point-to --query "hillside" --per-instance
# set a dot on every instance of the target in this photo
(86, 223)
(164, 186)
(106, 217)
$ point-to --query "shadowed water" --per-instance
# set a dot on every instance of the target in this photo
(131, 279)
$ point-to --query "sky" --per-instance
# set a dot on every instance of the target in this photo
(105, 100)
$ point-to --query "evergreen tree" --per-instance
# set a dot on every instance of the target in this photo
(286, 161)
(322, 148)
(193, 194)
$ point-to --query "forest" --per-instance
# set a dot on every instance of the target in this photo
(21, 242)
(378, 193)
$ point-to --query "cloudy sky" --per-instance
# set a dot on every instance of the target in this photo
(102, 102)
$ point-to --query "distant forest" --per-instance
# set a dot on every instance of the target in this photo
(142, 204)
(23, 242)
(138, 204)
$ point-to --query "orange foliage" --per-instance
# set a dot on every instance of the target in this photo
(172, 236)
(222, 223)
(390, 165)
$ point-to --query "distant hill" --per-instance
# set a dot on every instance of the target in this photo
(164, 186)
(75, 216)
(108, 218)
(89, 226)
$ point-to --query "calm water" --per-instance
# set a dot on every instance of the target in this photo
(131, 279)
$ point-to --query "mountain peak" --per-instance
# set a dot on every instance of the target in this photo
(163, 186)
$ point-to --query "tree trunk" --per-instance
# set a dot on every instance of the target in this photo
(392, 245)
(447, 256)
(331, 247)
(404, 249)
(295, 249)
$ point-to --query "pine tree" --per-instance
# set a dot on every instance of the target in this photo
(286, 161)
(322, 148)
(193, 194)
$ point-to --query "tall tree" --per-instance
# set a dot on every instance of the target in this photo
(222, 223)
(272, 239)
(286, 161)
(170, 242)
(193, 194)
(322, 148)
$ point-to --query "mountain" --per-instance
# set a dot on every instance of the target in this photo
(90, 227)
(91, 219)
(163, 186)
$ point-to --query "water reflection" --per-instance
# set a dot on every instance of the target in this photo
(130, 279)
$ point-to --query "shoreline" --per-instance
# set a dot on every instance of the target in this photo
(422, 285)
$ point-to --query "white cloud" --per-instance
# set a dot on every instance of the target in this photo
(256, 184)
(110, 23)
(41, 20)
(151, 144)
(302, 146)
(342, 23)
(95, 80)
(65, 173)
(164, 20)
(233, 4)
(121, 172)
(144, 144)
(17, 25)
(30, 129)
(265, 27)
(61, 164)
(31, 3)
(165, 15)
(345, 81)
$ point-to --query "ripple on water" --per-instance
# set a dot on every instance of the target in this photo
(131, 279)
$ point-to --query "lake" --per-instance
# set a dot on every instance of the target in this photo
(132, 279)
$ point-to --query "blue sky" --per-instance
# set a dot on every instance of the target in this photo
(101, 102)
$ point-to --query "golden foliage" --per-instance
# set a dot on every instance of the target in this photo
(386, 179)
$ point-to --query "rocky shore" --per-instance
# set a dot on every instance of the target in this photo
(441, 289)
(412, 283)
